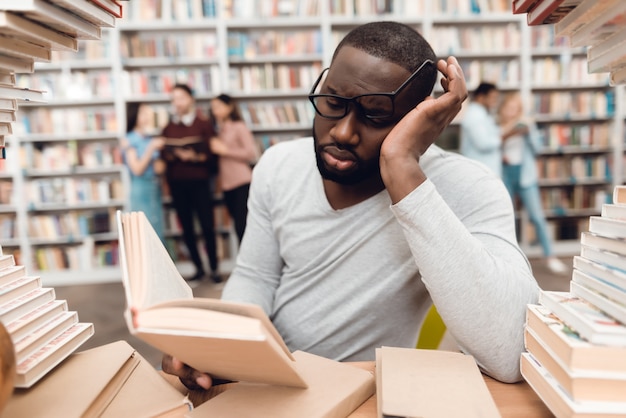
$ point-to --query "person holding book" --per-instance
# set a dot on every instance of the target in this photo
(190, 168)
(353, 233)
(141, 153)
(480, 135)
(519, 169)
(237, 150)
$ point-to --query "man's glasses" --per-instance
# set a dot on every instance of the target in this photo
(371, 106)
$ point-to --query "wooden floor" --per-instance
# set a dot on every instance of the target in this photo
(103, 305)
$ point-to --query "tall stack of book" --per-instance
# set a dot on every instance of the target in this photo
(30, 30)
(43, 331)
(598, 25)
(576, 340)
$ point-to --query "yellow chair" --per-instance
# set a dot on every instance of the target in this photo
(432, 330)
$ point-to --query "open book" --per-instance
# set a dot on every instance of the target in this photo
(228, 340)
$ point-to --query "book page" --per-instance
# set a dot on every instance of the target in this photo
(150, 273)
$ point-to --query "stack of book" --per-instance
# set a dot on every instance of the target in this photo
(30, 30)
(598, 25)
(576, 340)
(43, 331)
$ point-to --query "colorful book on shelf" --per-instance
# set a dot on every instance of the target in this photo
(582, 15)
(17, 26)
(547, 12)
(587, 320)
(569, 348)
(88, 11)
(420, 383)
(54, 17)
(560, 403)
(581, 385)
(121, 383)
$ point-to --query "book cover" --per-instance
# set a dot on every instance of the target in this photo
(334, 390)
(548, 12)
(571, 350)
(603, 287)
(421, 383)
(558, 400)
(583, 14)
(15, 25)
(607, 227)
(581, 385)
(228, 340)
(607, 305)
(54, 17)
(600, 271)
(87, 10)
(619, 195)
(38, 364)
(587, 320)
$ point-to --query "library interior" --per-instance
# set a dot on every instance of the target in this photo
(99, 100)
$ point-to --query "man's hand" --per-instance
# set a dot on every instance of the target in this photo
(191, 378)
(418, 130)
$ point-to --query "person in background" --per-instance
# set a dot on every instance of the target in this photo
(519, 169)
(190, 168)
(237, 150)
(354, 233)
(140, 151)
(480, 134)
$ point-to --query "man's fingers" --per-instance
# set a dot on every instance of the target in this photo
(191, 378)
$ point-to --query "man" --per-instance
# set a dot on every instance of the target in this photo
(190, 165)
(481, 138)
(351, 233)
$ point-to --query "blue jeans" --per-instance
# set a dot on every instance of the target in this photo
(531, 200)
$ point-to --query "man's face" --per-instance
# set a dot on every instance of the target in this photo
(181, 101)
(347, 150)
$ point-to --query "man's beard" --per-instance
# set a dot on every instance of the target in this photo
(364, 169)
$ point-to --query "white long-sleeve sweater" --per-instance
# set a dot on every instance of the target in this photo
(339, 283)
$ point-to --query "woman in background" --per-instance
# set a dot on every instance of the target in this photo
(237, 150)
(519, 170)
(141, 155)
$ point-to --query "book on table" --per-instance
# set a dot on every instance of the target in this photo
(227, 340)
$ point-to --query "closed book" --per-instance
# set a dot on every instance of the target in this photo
(15, 25)
(22, 94)
(113, 7)
(8, 104)
(18, 287)
(19, 48)
(40, 336)
(619, 195)
(7, 116)
(607, 258)
(422, 383)
(607, 227)
(54, 17)
(6, 260)
(5, 128)
(334, 390)
(581, 385)
(588, 321)
(38, 364)
(101, 380)
(598, 285)
(548, 12)
(607, 305)
(607, 53)
(612, 210)
(610, 275)
(7, 78)
(22, 305)
(606, 23)
(10, 273)
(582, 15)
(26, 324)
(228, 340)
(523, 6)
(88, 11)
(571, 350)
(560, 403)
(15, 64)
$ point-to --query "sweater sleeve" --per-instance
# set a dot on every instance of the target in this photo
(475, 272)
(257, 273)
(243, 147)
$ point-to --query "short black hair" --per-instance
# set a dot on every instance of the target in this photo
(183, 87)
(398, 43)
(483, 89)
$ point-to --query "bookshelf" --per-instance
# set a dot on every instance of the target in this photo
(267, 55)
